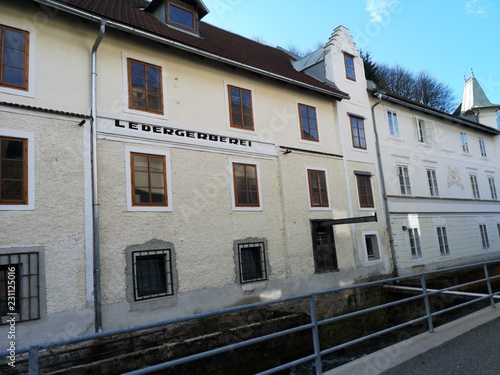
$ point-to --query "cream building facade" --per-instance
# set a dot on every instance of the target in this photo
(170, 167)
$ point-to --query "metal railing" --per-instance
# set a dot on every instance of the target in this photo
(419, 292)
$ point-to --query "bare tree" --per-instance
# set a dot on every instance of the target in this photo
(421, 87)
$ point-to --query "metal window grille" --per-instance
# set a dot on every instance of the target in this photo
(19, 278)
(252, 261)
(152, 274)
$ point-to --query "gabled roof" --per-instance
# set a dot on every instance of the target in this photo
(397, 99)
(213, 43)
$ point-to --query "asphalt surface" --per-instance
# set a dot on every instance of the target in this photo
(467, 346)
(476, 352)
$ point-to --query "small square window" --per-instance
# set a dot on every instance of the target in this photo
(152, 274)
(252, 262)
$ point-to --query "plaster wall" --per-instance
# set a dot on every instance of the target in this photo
(443, 154)
(58, 49)
(54, 226)
(464, 239)
(196, 96)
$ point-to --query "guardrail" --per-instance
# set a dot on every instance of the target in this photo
(420, 292)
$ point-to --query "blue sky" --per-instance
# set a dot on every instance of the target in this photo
(446, 38)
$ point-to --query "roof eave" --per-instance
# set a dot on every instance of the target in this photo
(437, 113)
(141, 33)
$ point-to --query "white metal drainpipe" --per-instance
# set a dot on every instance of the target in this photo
(95, 197)
(384, 192)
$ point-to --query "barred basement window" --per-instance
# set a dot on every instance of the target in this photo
(19, 287)
(252, 262)
(152, 274)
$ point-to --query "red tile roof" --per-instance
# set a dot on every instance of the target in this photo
(213, 42)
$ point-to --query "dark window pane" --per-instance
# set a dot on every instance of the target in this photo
(13, 76)
(151, 275)
(11, 190)
(137, 69)
(14, 39)
(181, 17)
(14, 58)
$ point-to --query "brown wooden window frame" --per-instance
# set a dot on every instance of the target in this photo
(316, 199)
(24, 86)
(130, 89)
(365, 191)
(241, 115)
(24, 199)
(312, 126)
(186, 8)
(361, 139)
(165, 185)
(237, 203)
(348, 75)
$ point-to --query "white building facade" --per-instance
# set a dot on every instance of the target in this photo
(441, 174)
(168, 167)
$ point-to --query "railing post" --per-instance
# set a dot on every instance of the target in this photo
(315, 334)
(33, 360)
(427, 304)
(488, 282)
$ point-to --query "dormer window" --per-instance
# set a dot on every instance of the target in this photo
(183, 16)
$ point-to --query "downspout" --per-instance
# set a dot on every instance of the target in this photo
(95, 198)
(384, 193)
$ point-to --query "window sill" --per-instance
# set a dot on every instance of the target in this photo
(395, 139)
(466, 155)
(424, 145)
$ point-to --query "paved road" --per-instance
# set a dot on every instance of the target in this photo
(466, 346)
(476, 352)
